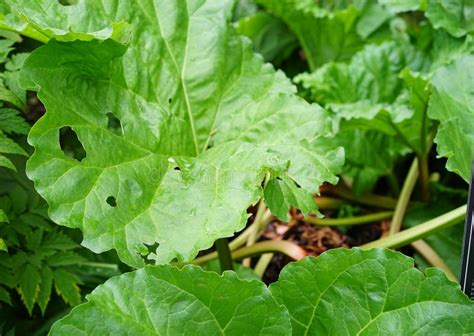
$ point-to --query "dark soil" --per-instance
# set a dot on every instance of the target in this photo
(315, 239)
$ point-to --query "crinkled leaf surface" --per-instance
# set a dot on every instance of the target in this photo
(456, 16)
(447, 48)
(179, 127)
(46, 19)
(452, 104)
(382, 109)
(163, 300)
(270, 36)
(398, 6)
(324, 35)
(375, 292)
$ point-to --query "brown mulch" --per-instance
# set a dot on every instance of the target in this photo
(315, 239)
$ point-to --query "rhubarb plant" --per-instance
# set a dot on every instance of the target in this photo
(348, 292)
(163, 128)
(196, 129)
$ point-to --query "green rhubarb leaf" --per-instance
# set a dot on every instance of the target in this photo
(455, 16)
(369, 156)
(64, 23)
(281, 193)
(375, 292)
(372, 17)
(161, 300)
(270, 36)
(398, 6)
(367, 86)
(177, 137)
(376, 105)
(447, 48)
(452, 104)
(324, 35)
(5, 48)
(242, 272)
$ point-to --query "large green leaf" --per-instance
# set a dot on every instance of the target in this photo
(376, 292)
(447, 48)
(324, 35)
(270, 36)
(179, 128)
(398, 6)
(64, 23)
(163, 300)
(452, 104)
(381, 104)
(341, 292)
(456, 16)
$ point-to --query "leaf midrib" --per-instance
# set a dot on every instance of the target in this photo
(180, 73)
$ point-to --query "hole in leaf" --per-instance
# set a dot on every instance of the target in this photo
(111, 201)
(113, 124)
(70, 144)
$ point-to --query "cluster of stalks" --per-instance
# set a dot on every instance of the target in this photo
(246, 244)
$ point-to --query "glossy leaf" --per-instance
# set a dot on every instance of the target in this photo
(452, 104)
(193, 138)
(378, 105)
(456, 16)
(282, 193)
(161, 300)
(376, 292)
(270, 36)
(397, 6)
(324, 35)
(64, 23)
(245, 273)
(447, 48)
